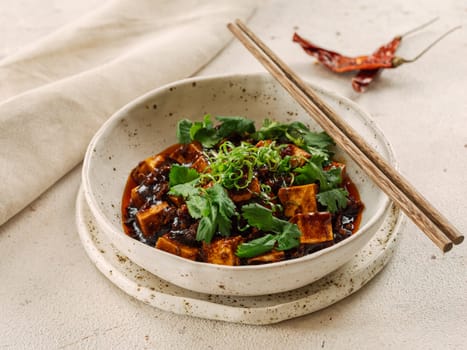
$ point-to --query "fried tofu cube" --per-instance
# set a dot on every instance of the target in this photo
(298, 155)
(152, 219)
(187, 153)
(171, 246)
(200, 164)
(222, 251)
(176, 200)
(136, 198)
(146, 166)
(270, 257)
(298, 199)
(247, 193)
(335, 164)
(314, 227)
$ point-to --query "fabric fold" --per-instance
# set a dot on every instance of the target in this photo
(56, 93)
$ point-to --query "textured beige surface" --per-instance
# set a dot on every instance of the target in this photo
(53, 297)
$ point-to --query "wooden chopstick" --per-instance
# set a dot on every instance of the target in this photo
(414, 205)
(450, 231)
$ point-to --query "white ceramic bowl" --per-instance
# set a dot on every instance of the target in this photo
(146, 126)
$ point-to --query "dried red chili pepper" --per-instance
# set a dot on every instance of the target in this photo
(364, 77)
(339, 63)
(369, 65)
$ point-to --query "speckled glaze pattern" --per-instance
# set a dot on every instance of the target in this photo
(259, 310)
(147, 126)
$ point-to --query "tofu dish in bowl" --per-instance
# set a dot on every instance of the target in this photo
(232, 193)
(252, 200)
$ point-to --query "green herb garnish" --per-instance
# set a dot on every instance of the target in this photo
(180, 174)
(257, 246)
(334, 199)
(212, 206)
(331, 194)
(234, 165)
(185, 190)
(286, 234)
(313, 171)
(235, 126)
(205, 132)
(183, 131)
(316, 143)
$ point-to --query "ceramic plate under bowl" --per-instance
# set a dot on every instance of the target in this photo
(265, 309)
(147, 126)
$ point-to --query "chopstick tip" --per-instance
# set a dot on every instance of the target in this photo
(447, 247)
(458, 240)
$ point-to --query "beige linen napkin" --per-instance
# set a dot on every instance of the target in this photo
(56, 93)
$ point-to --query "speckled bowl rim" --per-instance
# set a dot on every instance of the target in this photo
(107, 225)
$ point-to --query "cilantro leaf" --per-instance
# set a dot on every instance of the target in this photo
(195, 127)
(334, 199)
(198, 207)
(318, 139)
(316, 143)
(333, 177)
(183, 131)
(206, 229)
(289, 237)
(212, 206)
(204, 132)
(219, 196)
(224, 225)
(271, 131)
(295, 132)
(225, 208)
(313, 172)
(207, 137)
(331, 195)
(185, 190)
(205, 124)
(180, 174)
(235, 126)
(286, 234)
(310, 173)
(262, 218)
(256, 246)
(258, 216)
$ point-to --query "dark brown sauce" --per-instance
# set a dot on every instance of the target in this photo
(347, 222)
(183, 229)
(131, 183)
